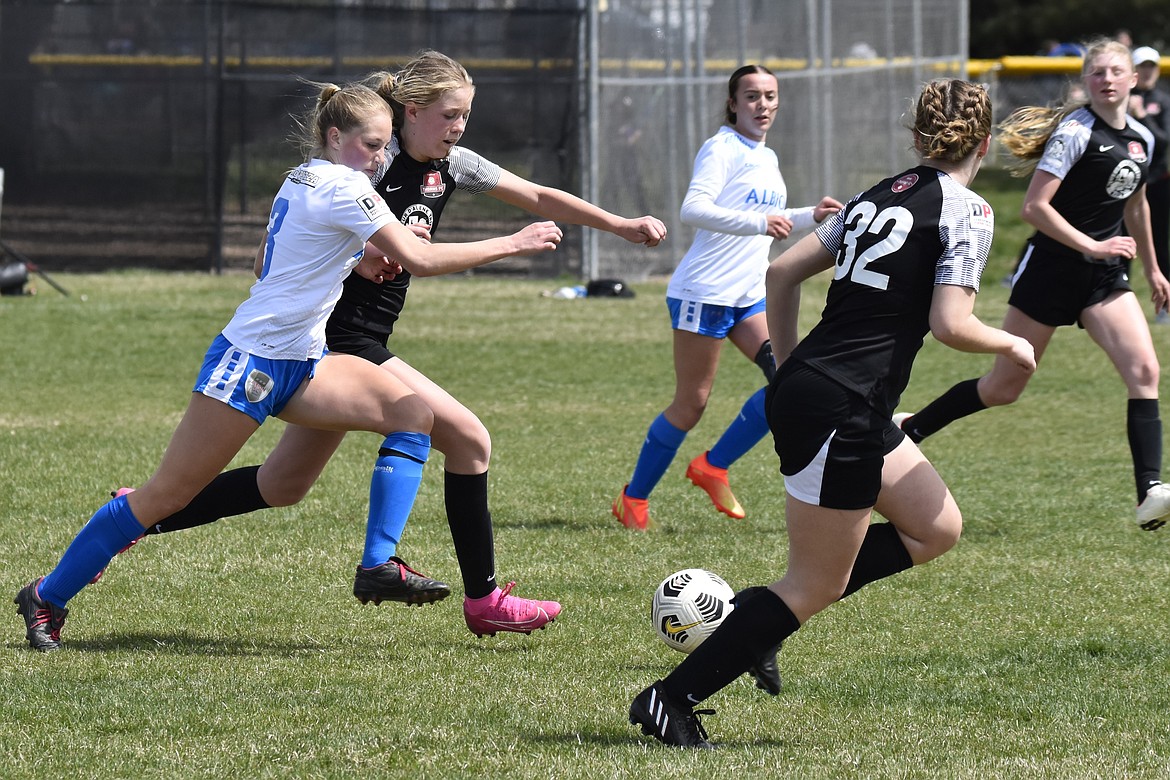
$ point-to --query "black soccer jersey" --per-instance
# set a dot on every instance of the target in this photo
(893, 243)
(1099, 168)
(416, 192)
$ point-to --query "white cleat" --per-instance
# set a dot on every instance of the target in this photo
(1153, 512)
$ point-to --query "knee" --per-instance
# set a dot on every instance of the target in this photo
(283, 489)
(409, 413)
(467, 445)
(1147, 374)
(1000, 393)
(685, 414)
(940, 538)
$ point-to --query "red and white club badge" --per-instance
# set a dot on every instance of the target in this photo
(433, 186)
(904, 183)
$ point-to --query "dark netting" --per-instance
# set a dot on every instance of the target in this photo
(129, 141)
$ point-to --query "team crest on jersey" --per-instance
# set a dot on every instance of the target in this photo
(904, 183)
(980, 214)
(1137, 152)
(1124, 180)
(433, 186)
(418, 214)
(1055, 150)
(257, 386)
(373, 206)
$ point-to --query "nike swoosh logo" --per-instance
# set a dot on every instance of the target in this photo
(672, 629)
(395, 189)
(1104, 148)
(692, 699)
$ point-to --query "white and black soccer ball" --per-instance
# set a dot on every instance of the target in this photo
(688, 606)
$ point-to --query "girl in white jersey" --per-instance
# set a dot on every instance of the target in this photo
(908, 254)
(431, 97)
(1087, 201)
(270, 360)
(738, 202)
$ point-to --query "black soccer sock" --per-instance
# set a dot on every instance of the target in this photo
(233, 492)
(1144, 427)
(961, 400)
(466, 497)
(761, 623)
(882, 554)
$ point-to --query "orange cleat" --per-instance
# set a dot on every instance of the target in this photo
(633, 512)
(714, 480)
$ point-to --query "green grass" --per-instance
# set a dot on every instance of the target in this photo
(1036, 649)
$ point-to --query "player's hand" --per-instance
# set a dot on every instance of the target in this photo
(1159, 290)
(420, 230)
(537, 237)
(1022, 353)
(376, 266)
(778, 226)
(1117, 246)
(647, 230)
(826, 208)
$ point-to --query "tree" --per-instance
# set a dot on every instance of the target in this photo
(1005, 27)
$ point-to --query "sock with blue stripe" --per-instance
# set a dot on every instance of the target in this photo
(110, 529)
(397, 475)
(658, 450)
(745, 432)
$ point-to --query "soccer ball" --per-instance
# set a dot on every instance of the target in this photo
(688, 606)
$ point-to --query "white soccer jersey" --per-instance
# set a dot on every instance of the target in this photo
(321, 219)
(736, 184)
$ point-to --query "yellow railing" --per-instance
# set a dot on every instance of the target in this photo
(1032, 66)
(1004, 66)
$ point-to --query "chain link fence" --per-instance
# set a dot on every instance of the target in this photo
(847, 71)
(153, 132)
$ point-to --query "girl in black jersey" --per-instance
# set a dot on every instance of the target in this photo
(431, 99)
(908, 255)
(1087, 201)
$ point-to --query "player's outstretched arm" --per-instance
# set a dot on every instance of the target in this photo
(561, 206)
(425, 259)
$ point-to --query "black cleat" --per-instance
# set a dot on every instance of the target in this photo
(765, 671)
(395, 581)
(43, 621)
(672, 725)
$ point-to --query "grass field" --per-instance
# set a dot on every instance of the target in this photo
(1038, 648)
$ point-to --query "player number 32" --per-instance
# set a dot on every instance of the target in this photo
(864, 221)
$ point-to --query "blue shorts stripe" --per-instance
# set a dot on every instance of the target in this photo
(709, 319)
(258, 387)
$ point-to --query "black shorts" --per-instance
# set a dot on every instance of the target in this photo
(349, 340)
(1055, 290)
(831, 443)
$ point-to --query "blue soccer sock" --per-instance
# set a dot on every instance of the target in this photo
(397, 475)
(658, 450)
(110, 529)
(745, 431)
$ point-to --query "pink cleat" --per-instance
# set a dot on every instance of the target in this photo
(116, 494)
(501, 611)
